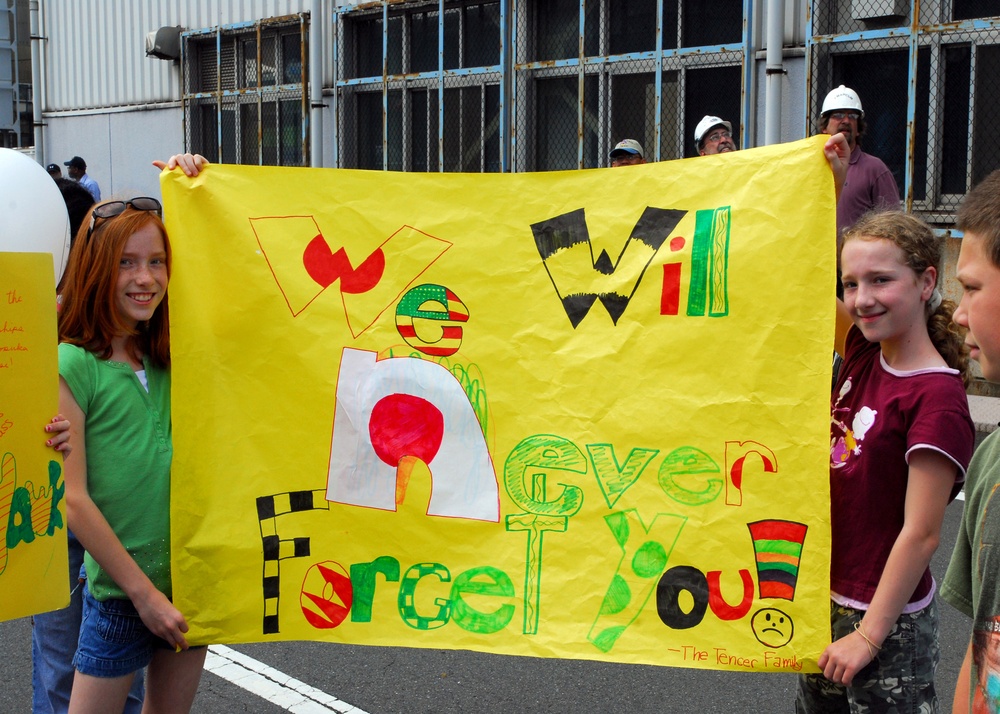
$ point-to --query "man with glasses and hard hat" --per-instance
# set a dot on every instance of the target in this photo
(870, 184)
(714, 136)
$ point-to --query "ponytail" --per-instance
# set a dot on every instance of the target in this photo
(948, 338)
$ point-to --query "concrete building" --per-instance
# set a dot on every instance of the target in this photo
(510, 85)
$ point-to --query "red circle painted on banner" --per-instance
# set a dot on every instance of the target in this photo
(405, 425)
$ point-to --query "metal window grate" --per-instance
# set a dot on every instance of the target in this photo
(928, 82)
(486, 85)
(245, 92)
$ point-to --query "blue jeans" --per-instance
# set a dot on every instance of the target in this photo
(53, 644)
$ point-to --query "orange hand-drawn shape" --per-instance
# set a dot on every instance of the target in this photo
(736, 456)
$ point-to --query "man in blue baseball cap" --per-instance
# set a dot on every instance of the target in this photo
(78, 172)
(627, 152)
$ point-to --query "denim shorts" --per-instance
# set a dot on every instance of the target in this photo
(114, 641)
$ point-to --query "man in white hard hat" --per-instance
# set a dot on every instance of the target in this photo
(714, 136)
(870, 184)
(627, 152)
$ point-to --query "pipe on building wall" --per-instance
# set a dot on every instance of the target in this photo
(775, 71)
(317, 19)
(37, 81)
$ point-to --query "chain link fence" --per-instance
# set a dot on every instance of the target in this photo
(421, 91)
(928, 85)
(526, 85)
(632, 72)
(245, 93)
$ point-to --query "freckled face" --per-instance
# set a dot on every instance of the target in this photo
(885, 296)
(142, 275)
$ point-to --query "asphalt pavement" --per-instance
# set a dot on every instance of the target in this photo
(386, 680)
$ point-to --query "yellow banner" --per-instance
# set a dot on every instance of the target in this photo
(572, 414)
(34, 565)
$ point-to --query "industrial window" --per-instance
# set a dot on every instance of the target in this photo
(245, 92)
(946, 65)
(571, 108)
(529, 85)
(10, 107)
(406, 106)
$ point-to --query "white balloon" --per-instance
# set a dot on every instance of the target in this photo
(33, 217)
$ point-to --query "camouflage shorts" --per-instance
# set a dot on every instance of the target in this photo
(900, 680)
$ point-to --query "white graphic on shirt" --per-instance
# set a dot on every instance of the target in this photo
(842, 447)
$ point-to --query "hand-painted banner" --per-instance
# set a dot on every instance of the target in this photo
(34, 565)
(571, 414)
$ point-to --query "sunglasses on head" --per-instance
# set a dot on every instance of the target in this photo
(116, 208)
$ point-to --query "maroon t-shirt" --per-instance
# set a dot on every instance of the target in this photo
(869, 185)
(879, 415)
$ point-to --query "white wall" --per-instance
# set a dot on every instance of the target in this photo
(118, 147)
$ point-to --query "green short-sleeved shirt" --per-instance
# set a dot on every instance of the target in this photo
(129, 450)
(972, 583)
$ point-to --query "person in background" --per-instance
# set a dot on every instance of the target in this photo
(78, 172)
(54, 171)
(627, 152)
(714, 136)
(78, 202)
(870, 185)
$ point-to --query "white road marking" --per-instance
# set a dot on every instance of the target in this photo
(272, 685)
